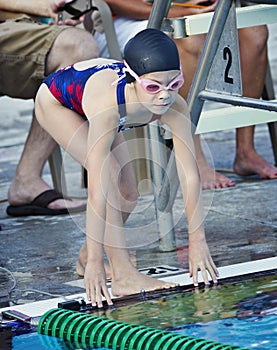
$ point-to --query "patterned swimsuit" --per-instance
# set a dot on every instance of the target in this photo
(67, 86)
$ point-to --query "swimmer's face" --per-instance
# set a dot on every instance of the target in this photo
(157, 91)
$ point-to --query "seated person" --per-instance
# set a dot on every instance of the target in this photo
(29, 51)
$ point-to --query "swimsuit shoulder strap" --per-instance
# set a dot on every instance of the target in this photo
(120, 94)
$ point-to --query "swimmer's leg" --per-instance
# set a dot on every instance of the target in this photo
(126, 279)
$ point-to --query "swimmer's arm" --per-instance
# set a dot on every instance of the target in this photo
(178, 120)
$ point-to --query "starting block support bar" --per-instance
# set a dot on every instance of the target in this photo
(238, 100)
(181, 27)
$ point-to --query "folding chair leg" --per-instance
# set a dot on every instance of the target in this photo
(158, 164)
(57, 171)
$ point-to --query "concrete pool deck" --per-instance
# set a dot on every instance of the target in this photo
(41, 252)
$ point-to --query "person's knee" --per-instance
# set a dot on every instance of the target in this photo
(253, 40)
(261, 38)
(72, 45)
(82, 45)
(190, 46)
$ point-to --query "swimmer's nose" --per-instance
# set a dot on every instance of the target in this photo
(164, 94)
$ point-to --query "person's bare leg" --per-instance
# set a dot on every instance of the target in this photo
(70, 46)
(253, 45)
(128, 198)
(126, 279)
(190, 49)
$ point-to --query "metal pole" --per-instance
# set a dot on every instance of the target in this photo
(238, 100)
(159, 162)
(195, 103)
(159, 11)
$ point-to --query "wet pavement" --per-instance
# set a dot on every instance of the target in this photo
(41, 252)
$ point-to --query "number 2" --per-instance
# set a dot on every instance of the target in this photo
(227, 55)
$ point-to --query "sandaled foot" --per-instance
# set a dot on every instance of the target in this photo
(49, 202)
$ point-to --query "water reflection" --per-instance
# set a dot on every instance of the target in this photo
(236, 299)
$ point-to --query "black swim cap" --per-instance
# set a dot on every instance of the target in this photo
(151, 50)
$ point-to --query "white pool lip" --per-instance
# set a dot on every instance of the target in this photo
(38, 308)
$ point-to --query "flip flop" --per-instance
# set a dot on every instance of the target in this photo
(39, 206)
(76, 11)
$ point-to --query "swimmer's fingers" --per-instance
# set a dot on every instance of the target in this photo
(106, 294)
(96, 293)
(95, 282)
(200, 259)
(213, 271)
(194, 274)
(98, 296)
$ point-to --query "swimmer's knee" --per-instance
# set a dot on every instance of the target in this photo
(129, 201)
(132, 197)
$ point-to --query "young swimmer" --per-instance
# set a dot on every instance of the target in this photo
(84, 107)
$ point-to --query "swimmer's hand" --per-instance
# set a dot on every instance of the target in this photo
(200, 259)
(95, 282)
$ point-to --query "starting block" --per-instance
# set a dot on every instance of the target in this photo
(218, 78)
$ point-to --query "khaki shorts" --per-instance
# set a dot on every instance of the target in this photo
(24, 45)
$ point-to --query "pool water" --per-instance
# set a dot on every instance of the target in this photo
(251, 333)
(254, 333)
(239, 313)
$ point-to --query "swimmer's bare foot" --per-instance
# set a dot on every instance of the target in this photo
(253, 164)
(134, 282)
(211, 179)
(82, 260)
(80, 268)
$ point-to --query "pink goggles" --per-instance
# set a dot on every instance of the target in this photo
(152, 87)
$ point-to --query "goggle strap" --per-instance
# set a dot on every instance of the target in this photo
(119, 79)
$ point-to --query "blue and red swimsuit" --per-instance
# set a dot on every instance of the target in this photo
(67, 86)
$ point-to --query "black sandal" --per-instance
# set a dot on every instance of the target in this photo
(76, 12)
